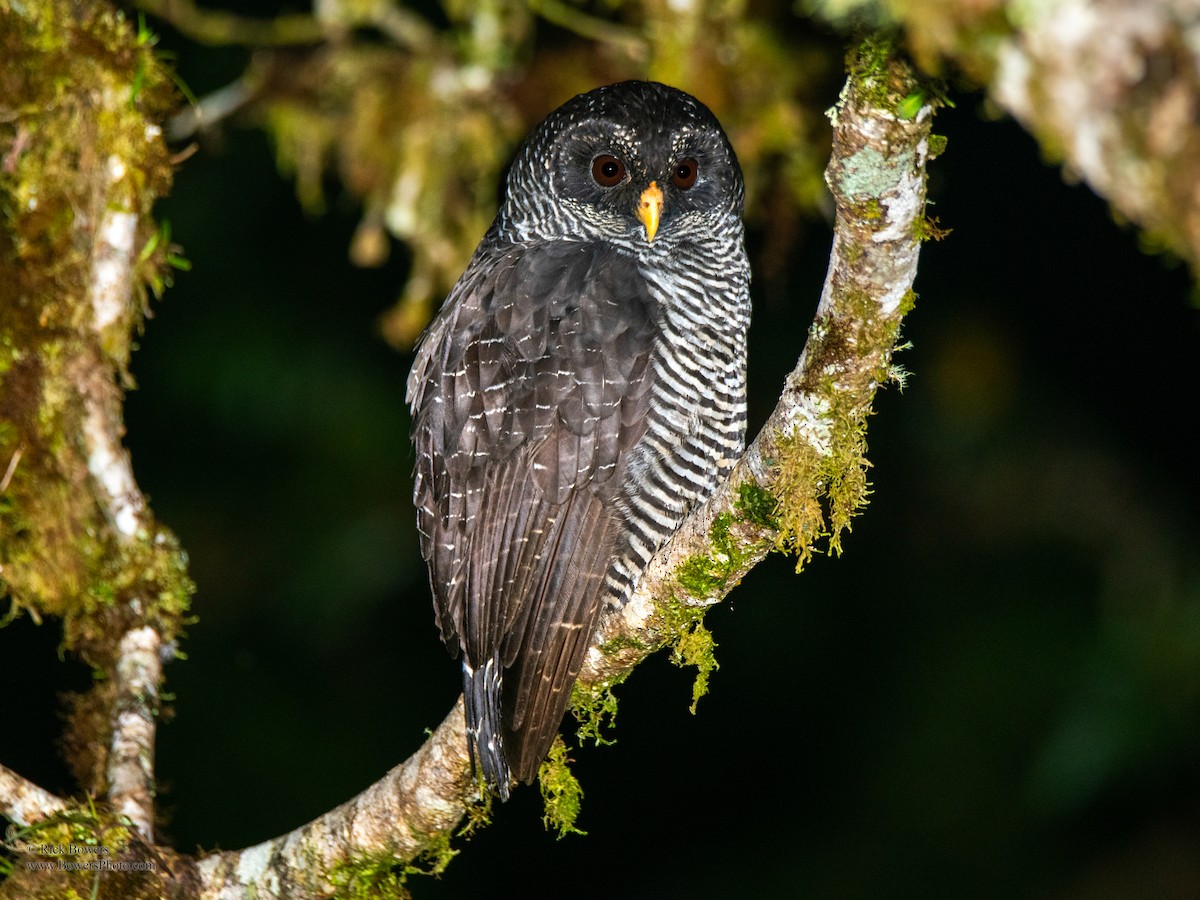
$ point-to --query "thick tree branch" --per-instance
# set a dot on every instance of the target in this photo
(809, 453)
(410, 809)
(1113, 86)
(24, 802)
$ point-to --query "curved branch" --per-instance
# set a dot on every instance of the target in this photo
(396, 818)
(877, 176)
(812, 443)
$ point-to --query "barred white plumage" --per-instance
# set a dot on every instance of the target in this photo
(580, 390)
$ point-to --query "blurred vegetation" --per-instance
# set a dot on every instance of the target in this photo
(415, 112)
(994, 692)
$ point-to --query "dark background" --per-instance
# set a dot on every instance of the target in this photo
(995, 692)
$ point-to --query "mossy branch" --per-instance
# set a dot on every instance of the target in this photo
(804, 475)
(409, 812)
(801, 478)
(84, 161)
(1109, 90)
(80, 542)
(23, 802)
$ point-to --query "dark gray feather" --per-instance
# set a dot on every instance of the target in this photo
(520, 414)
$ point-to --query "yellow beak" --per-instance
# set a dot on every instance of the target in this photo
(650, 209)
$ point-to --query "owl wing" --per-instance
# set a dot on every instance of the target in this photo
(526, 392)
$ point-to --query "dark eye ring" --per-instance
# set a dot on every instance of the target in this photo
(685, 172)
(607, 170)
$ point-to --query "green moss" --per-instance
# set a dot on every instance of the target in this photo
(370, 877)
(822, 470)
(928, 228)
(695, 647)
(869, 210)
(936, 145)
(707, 575)
(380, 876)
(595, 709)
(801, 518)
(734, 538)
(846, 475)
(434, 859)
(690, 642)
(883, 78)
(562, 795)
(868, 64)
(94, 148)
(756, 505)
(84, 829)
(479, 814)
(701, 576)
(84, 836)
(624, 642)
(146, 581)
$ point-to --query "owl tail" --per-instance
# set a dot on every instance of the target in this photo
(481, 693)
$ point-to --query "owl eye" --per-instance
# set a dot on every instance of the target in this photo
(684, 174)
(607, 170)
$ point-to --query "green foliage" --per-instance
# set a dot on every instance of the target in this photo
(159, 278)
